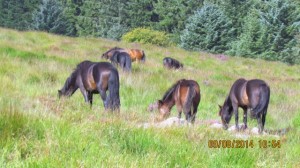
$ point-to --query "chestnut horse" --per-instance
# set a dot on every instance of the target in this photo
(135, 54)
(250, 95)
(91, 78)
(185, 94)
(172, 63)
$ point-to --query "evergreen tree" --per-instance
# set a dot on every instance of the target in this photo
(50, 17)
(173, 13)
(269, 32)
(208, 29)
(17, 14)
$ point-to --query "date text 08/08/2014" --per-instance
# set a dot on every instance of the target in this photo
(243, 143)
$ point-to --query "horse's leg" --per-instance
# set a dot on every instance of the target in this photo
(263, 121)
(260, 123)
(103, 97)
(194, 115)
(236, 112)
(90, 96)
(245, 118)
(179, 109)
(84, 93)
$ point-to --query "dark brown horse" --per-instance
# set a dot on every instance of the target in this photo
(185, 94)
(91, 78)
(122, 59)
(172, 63)
(250, 95)
(135, 54)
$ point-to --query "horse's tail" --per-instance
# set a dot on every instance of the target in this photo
(278, 131)
(263, 103)
(128, 63)
(190, 97)
(113, 101)
(143, 56)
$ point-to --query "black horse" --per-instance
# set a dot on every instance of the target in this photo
(92, 78)
(185, 94)
(172, 63)
(250, 95)
(123, 59)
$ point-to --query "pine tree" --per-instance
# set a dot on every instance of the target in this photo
(270, 32)
(173, 13)
(50, 17)
(17, 13)
(208, 29)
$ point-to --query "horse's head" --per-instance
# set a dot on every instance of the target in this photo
(225, 113)
(152, 107)
(163, 109)
(105, 55)
(60, 94)
(63, 93)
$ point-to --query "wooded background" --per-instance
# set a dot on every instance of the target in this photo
(267, 29)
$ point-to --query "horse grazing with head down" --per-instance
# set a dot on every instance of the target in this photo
(185, 94)
(253, 95)
(135, 54)
(122, 59)
(172, 63)
(91, 78)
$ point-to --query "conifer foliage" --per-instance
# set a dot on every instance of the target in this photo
(50, 17)
(208, 29)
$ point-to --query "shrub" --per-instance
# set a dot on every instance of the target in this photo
(147, 36)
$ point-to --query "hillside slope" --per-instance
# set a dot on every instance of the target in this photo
(40, 130)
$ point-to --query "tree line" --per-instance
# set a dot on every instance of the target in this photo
(267, 29)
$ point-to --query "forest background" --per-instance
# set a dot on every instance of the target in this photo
(249, 28)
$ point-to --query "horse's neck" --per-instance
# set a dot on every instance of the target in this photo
(71, 84)
(228, 102)
(169, 101)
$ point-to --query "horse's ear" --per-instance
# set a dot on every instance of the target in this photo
(220, 109)
(159, 103)
(59, 93)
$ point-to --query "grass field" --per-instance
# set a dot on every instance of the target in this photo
(38, 130)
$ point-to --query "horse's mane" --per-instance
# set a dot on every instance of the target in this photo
(74, 74)
(171, 90)
(227, 101)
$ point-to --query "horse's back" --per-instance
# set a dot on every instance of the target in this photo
(103, 68)
(248, 92)
(171, 63)
(135, 54)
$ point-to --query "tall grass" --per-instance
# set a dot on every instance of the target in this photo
(38, 130)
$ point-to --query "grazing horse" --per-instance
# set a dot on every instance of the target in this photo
(135, 54)
(250, 95)
(122, 59)
(91, 78)
(185, 94)
(172, 63)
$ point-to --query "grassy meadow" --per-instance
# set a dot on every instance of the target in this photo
(38, 130)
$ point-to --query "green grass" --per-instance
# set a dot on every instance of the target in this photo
(38, 130)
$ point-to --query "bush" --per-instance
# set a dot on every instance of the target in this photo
(147, 36)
